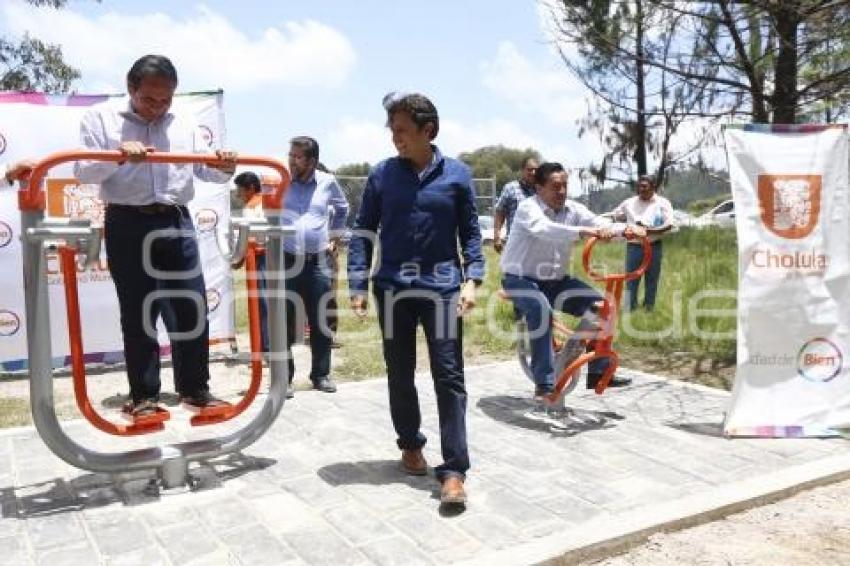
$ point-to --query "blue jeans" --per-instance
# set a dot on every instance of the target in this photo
(634, 256)
(308, 283)
(534, 299)
(125, 230)
(398, 316)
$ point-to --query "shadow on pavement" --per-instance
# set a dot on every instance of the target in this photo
(522, 412)
(714, 429)
(117, 401)
(92, 491)
(375, 472)
(383, 473)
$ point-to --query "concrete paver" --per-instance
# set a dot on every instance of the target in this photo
(323, 486)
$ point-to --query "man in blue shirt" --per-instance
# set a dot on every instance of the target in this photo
(512, 194)
(420, 205)
(315, 207)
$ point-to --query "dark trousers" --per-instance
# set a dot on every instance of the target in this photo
(398, 316)
(264, 306)
(634, 257)
(308, 285)
(175, 256)
(534, 300)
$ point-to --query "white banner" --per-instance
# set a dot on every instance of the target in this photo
(34, 125)
(792, 200)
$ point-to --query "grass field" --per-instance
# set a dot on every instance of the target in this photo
(690, 334)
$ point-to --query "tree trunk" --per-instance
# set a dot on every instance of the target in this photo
(640, 149)
(784, 97)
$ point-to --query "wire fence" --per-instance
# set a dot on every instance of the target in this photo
(485, 195)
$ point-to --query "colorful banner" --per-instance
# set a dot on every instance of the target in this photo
(34, 125)
(792, 199)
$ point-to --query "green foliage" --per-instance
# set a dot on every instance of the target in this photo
(499, 162)
(354, 169)
(702, 206)
(29, 64)
(684, 187)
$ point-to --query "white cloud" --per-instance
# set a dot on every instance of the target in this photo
(542, 91)
(354, 140)
(206, 49)
(456, 137)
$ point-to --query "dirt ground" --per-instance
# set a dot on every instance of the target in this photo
(811, 528)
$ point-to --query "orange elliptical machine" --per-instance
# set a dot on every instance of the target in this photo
(77, 238)
(574, 350)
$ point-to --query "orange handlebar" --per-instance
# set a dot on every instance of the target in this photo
(32, 197)
(588, 250)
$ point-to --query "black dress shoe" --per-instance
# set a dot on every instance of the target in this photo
(616, 381)
(324, 384)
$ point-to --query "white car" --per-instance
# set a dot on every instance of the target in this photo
(486, 224)
(722, 215)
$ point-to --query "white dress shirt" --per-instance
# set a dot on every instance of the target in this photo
(106, 125)
(542, 238)
(657, 212)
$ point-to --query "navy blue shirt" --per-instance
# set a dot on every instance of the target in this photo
(419, 224)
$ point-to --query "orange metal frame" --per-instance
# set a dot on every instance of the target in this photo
(32, 198)
(608, 314)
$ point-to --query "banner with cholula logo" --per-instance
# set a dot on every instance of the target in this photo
(792, 200)
(34, 125)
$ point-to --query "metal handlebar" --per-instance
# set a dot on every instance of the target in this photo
(588, 251)
(31, 196)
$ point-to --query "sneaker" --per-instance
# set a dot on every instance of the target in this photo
(201, 401)
(290, 391)
(143, 408)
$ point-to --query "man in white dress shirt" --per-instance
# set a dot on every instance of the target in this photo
(534, 274)
(655, 214)
(147, 219)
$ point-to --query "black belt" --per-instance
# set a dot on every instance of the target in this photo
(154, 209)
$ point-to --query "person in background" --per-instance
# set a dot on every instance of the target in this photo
(512, 194)
(316, 208)
(249, 191)
(655, 213)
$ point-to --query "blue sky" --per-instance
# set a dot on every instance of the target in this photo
(321, 67)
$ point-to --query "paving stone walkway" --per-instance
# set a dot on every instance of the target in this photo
(323, 486)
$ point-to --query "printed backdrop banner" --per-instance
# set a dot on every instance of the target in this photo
(34, 125)
(792, 200)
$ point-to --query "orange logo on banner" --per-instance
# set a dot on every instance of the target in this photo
(790, 204)
(68, 198)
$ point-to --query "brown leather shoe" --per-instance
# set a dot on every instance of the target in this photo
(413, 462)
(452, 492)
